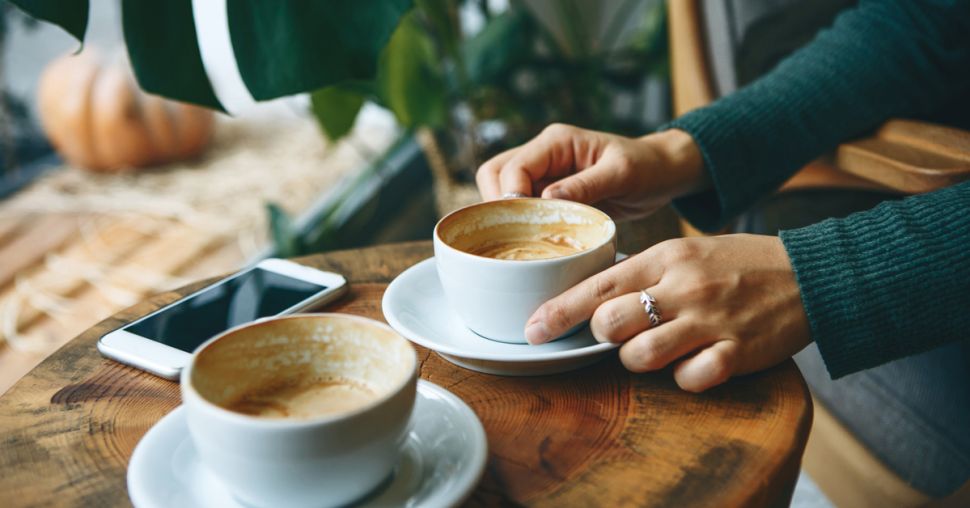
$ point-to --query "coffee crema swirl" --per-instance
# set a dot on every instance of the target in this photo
(305, 400)
(541, 247)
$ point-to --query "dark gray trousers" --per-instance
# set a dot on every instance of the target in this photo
(912, 413)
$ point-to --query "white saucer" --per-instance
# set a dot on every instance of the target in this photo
(414, 305)
(441, 461)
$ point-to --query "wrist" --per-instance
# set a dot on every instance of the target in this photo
(680, 154)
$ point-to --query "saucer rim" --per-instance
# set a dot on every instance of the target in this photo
(476, 461)
(529, 357)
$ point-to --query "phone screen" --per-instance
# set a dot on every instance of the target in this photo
(250, 295)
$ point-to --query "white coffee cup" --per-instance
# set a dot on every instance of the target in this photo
(495, 297)
(309, 447)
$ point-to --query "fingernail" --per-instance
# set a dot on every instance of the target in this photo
(536, 333)
(557, 193)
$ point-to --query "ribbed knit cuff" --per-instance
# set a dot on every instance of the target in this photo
(830, 297)
(886, 283)
(707, 211)
(728, 135)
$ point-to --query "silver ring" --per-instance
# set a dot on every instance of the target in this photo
(650, 306)
(513, 195)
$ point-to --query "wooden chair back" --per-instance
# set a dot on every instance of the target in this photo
(902, 156)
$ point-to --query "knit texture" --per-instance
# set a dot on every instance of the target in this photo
(886, 283)
(861, 278)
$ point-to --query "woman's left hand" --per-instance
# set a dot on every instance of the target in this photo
(730, 305)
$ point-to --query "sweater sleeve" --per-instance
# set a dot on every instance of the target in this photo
(888, 282)
(878, 60)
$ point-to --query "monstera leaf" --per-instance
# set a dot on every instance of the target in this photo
(164, 52)
(335, 109)
(502, 44)
(284, 48)
(409, 79)
(281, 48)
(409, 82)
(71, 16)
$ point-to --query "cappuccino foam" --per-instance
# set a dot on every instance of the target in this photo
(541, 246)
(305, 400)
(302, 367)
(523, 241)
(525, 229)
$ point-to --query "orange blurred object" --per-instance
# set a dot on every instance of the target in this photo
(97, 118)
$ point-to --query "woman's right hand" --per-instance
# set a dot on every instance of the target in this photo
(627, 178)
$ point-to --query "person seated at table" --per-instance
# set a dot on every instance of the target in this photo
(884, 294)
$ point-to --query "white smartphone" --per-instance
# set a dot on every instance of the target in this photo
(162, 342)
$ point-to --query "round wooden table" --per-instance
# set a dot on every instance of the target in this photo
(599, 436)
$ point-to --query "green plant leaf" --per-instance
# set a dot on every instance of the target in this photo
(410, 77)
(164, 52)
(442, 15)
(283, 48)
(498, 47)
(335, 109)
(286, 241)
(72, 16)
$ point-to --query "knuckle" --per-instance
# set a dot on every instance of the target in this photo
(603, 288)
(677, 250)
(697, 289)
(642, 356)
(613, 318)
(624, 163)
(720, 367)
(606, 322)
(486, 171)
(558, 129)
(482, 175)
(650, 355)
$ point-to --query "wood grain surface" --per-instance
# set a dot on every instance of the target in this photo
(599, 436)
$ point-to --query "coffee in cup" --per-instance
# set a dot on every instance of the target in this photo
(302, 410)
(308, 398)
(525, 241)
(498, 261)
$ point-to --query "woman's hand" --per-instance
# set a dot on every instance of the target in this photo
(625, 177)
(730, 305)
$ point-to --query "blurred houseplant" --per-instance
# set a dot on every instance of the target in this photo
(537, 62)
(21, 142)
(475, 79)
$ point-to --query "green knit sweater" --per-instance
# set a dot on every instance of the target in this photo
(882, 284)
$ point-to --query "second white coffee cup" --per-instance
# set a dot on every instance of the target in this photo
(323, 448)
(495, 297)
